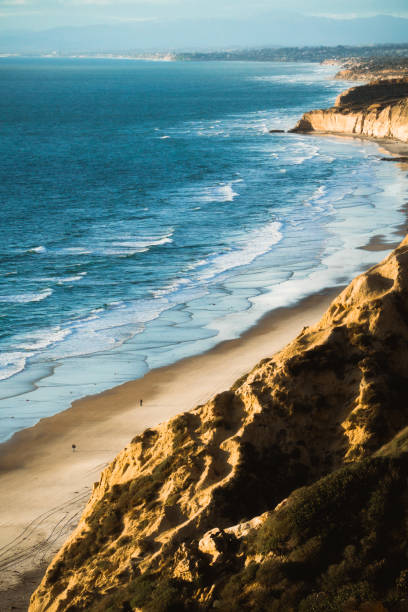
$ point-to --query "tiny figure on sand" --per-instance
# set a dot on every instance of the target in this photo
(73, 448)
(141, 402)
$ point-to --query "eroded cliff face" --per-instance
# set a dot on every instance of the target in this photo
(377, 110)
(193, 515)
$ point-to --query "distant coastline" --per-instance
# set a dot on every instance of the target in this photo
(391, 55)
(47, 446)
(317, 405)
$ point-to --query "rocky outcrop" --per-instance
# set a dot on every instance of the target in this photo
(377, 110)
(377, 92)
(246, 502)
(374, 68)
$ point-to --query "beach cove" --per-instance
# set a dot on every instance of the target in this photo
(38, 463)
(37, 458)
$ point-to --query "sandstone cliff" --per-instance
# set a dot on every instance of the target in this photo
(287, 492)
(377, 110)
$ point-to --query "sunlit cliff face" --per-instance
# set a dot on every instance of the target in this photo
(377, 110)
(193, 512)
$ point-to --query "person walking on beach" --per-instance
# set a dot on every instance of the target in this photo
(73, 448)
(141, 402)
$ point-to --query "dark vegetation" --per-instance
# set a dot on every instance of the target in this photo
(392, 53)
(336, 544)
(339, 542)
(383, 91)
(150, 593)
(325, 427)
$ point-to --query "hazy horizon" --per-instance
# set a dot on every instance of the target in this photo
(44, 14)
(96, 32)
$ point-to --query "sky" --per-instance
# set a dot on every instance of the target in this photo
(43, 14)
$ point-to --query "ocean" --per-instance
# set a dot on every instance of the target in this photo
(147, 214)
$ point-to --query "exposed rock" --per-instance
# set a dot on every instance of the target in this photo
(215, 543)
(190, 514)
(400, 159)
(377, 110)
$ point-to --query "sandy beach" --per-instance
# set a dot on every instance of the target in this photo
(44, 484)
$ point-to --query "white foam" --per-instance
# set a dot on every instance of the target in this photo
(12, 363)
(148, 242)
(38, 249)
(320, 192)
(73, 251)
(131, 247)
(126, 247)
(304, 78)
(322, 199)
(102, 330)
(196, 264)
(224, 192)
(42, 339)
(171, 288)
(25, 298)
(309, 153)
(71, 279)
(255, 122)
(249, 247)
(118, 323)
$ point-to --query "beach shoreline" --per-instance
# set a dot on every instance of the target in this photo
(396, 148)
(39, 465)
(51, 483)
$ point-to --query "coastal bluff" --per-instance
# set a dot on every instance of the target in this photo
(286, 492)
(376, 110)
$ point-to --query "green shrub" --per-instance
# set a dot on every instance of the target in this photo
(342, 539)
(167, 597)
(140, 590)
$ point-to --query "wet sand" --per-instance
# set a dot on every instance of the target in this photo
(44, 484)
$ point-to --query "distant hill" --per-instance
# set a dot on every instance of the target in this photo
(388, 56)
(268, 29)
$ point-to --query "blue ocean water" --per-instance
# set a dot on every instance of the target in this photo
(147, 214)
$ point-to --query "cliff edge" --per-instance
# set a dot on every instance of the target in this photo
(376, 110)
(287, 492)
(373, 68)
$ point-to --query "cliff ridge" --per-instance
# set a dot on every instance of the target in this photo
(376, 110)
(286, 492)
